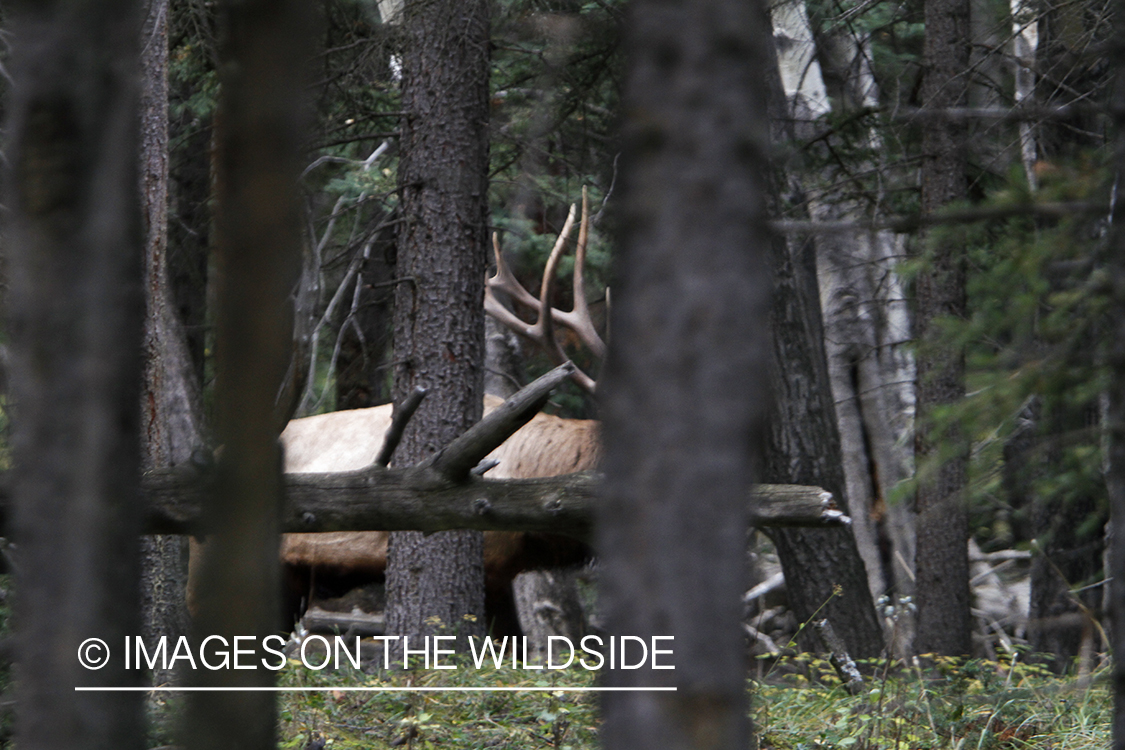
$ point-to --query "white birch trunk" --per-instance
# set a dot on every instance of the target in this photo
(1025, 43)
(866, 320)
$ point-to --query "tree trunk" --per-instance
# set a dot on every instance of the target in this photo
(73, 245)
(258, 242)
(436, 583)
(1025, 43)
(870, 331)
(942, 560)
(171, 410)
(685, 382)
(1068, 534)
(824, 573)
(867, 338)
(1115, 409)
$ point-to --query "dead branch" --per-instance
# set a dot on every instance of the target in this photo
(459, 457)
(905, 224)
(399, 419)
(422, 500)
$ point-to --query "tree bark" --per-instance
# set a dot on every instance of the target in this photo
(258, 241)
(824, 573)
(436, 583)
(868, 337)
(73, 244)
(399, 499)
(171, 409)
(685, 382)
(942, 560)
(1115, 409)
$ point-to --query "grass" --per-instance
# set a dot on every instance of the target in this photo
(438, 719)
(974, 705)
(958, 704)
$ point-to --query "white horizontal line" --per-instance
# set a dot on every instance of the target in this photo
(371, 689)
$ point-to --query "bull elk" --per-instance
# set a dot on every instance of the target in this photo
(546, 446)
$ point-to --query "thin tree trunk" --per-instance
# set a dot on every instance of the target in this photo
(435, 583)
(258, 232)
(686, 378)
(1025, 43)
(942, 560)
(171, 411)
(73, 244)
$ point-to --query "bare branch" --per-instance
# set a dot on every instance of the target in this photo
(399, 419)
(463, 454)
(377, 499)
(904, 224)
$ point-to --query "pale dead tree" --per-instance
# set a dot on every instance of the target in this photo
(825, 575)
(73, 243)
(867, 325)
(1025, 44)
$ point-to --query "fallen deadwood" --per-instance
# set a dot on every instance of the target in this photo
(419, 499)
(363, 624)
(839, 659)
(443, 494)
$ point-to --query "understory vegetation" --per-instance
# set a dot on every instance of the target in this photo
(798, 703)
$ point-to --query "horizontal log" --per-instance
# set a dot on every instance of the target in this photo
(418, 499)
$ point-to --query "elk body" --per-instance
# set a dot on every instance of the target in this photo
(546, 446)
(349, 440)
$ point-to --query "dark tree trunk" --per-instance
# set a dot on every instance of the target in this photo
(1115, 412)
(73, 242)
(1068, 533)
(942, 560)
(258, 233)
(824, 573)
(171, 411)
(1069, 557)
(686, 379)
(439, 314)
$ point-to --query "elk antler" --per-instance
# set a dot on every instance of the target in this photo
(542, 331)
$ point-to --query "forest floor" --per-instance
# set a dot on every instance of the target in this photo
(797, 704)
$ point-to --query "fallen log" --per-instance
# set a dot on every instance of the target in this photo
(418, 499)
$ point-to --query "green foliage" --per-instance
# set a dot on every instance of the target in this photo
(950, 704)
(953, 704)
(1037, 298)
(439, 719)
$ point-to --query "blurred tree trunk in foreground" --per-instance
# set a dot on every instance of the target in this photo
(259, 144)
(1115, 413)
(73, 241)
(685, 389)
